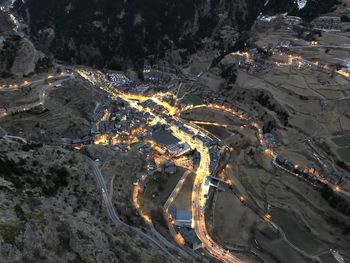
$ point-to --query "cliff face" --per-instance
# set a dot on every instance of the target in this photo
(119, 33)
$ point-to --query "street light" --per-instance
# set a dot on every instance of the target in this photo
(268, 217)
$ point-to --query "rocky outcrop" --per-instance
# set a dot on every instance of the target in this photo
(18, 56)
(26, 58)
(52, 211)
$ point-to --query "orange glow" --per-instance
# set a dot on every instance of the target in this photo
(202, 172)
(343, 73)
(268, 151)
(179, 239)
(245, 55)
(147, 218)
(102, 139)
(210, 123)
(136, 203)
(268, 217)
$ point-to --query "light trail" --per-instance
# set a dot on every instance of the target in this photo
(210, 123)
(136, 203)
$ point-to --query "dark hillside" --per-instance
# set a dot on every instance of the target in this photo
(117, 33)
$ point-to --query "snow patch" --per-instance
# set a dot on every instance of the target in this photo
(266, 18)
(301, 4)
(347, 63)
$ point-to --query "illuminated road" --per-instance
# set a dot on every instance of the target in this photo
(198, 200)
(167, 205)
(181, 250)
(26, 83)
(43, 93)
(176, 190)
(335, 188)
(199, 219)
(131, 98)
(260, 136)
(115, 218)
(202, 172)
(298, 61)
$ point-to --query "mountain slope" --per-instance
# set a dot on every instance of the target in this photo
(119, 33)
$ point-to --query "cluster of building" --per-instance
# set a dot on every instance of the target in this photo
(224, 103)
(119, 80)
(253, 61)
(98, 115)
(155, 167)
(215, 149)
(270, 140)
(183, 219)
(123, 83)
(214, 146)
(156, 77)
(179, 149)
(164, 69)
(146, 149)
(311, 173)
(152, 105)
(129, 122)
(122, 121)
(84, 140)
(152, 77)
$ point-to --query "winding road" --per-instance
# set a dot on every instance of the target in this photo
(203, 171)
(115, 218)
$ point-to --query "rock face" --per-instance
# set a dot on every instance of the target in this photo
(5, 23)
(18, 56)
(26, 58)
(51, 210)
